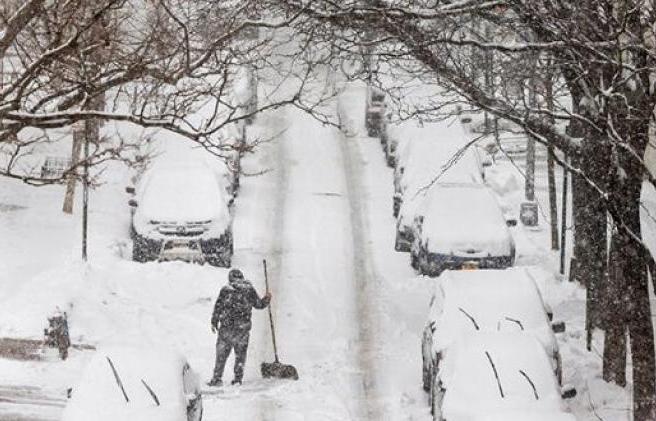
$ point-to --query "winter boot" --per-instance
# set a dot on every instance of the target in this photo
(215, 382)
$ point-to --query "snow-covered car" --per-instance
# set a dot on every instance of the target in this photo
(462, 226)
(408, 219)
(496, 373)
(136, 384)
(489, 300)
(442, 159)
(375, 111)
(181, 212)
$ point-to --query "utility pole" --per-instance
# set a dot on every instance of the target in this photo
(91, 126)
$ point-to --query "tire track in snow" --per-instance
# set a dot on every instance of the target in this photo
(364, 278)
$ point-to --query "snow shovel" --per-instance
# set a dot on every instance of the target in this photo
(275, 369)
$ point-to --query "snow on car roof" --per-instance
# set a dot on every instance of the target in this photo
(525, 376)
(98, 396)
(183, 192)
(426, 154)
(506, 300)
(455, 203)
(462, 217)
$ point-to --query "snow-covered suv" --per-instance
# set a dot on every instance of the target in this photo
(471, 302)
(181, 212)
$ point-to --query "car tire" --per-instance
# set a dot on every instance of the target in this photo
(426, 377)
(397, 245)
(141, 252)
(414, 262)
(220, 259)
(436, 410)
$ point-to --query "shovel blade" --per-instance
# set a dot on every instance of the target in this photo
(278, 370)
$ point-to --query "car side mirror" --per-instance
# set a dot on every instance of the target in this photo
(568, 392)
(558, 327)
(465, 120)
(132, 203)
(511, 222)
(130, 190)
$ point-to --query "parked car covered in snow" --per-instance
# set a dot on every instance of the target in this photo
(423, 161)
(463, 225)
(375, 111)
(181, 212)
(136, 384)
(409, 217)
(491, 300)
(496, 373)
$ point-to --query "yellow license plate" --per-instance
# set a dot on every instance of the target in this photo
(471, 265)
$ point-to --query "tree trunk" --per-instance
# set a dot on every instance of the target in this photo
(590, 222)
(551, 174)
(614, 316)
(632, 261)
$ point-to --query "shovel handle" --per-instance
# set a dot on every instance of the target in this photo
(273, 330)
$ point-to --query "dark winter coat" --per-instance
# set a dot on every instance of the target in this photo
(234, 305)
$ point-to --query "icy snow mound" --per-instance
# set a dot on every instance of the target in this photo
(115, 299)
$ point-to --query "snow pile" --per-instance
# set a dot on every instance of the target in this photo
(118, 299)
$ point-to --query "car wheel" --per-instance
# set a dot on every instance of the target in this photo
(436, 402)
(397, 245)
(140, 251)
(413, 261)
(220, 259)
(396, 207)
(426, 377)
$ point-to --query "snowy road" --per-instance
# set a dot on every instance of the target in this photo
(311, 247)
(316, 232)
(348, 309)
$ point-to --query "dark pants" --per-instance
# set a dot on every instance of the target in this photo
(228, 339)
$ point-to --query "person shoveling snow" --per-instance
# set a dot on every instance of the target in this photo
(232, 311)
